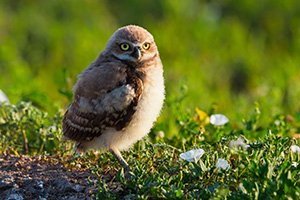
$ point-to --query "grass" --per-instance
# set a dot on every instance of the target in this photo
(267, 169)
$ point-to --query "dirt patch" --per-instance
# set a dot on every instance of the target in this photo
(24, 177)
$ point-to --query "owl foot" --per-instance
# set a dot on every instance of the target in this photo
(116, 153)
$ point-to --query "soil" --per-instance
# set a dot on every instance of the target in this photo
(24, 177)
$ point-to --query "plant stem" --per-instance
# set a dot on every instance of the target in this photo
(25, 141)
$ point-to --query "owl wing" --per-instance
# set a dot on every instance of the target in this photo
(103, 97)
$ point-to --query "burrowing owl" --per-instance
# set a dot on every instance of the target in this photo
(118, 96)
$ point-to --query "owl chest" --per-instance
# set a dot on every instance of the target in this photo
(150, 103)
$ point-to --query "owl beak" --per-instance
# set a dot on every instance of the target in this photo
(137, 53)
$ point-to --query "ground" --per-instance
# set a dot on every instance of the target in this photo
(44, 177)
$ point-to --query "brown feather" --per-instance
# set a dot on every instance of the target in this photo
(137, 84)
(83, 126)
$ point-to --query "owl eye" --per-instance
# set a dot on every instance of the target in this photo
(146, 46)
(124, 46)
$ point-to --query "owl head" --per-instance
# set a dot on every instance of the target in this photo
(132, 43)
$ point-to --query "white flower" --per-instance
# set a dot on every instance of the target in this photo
(218, 119)
(192, 155)
(295, 164)
(3, 97)
(239, 143)
(277, 122)
(295, 149)
(52, 128)
(160, 134)
(221, 163)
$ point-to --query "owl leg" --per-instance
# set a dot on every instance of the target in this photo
(116, 153)
(77, 148)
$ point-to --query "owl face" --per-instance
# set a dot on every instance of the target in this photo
(132, 43)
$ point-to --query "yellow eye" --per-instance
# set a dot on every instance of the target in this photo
(124, 46)
(146, 46)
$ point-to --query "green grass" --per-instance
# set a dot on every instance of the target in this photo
(27, 130)
(264, 170)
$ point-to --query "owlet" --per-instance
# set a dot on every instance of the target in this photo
(118, 96)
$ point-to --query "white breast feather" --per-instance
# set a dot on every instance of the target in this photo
(148, 110)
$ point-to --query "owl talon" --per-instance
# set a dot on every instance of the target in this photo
(116, 153)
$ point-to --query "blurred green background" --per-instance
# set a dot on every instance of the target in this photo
(226, 53)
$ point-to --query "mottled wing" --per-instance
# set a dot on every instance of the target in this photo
(126, 116)
(103, 97)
